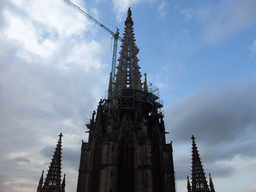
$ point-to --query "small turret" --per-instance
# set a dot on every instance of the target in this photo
(145, 83)
(188, 185)
(40, 184)
(63, 185)
(211, 184)
(110, 91)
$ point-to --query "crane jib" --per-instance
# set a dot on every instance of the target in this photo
(115, 35)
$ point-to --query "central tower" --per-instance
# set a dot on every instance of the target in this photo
(127, 150)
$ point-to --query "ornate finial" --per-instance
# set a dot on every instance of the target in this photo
(60, 135)
(93, 115)
(145, 83)
(193, 138)
(129, 21)
(129, 13)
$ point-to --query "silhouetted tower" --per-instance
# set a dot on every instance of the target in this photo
(52, 182)
(199, 183)
(127, 150)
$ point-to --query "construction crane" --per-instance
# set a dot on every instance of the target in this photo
(114, 34)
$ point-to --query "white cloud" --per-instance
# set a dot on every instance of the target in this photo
(240, 163)
(188, 13)
(228, 18)
(121, 6)
(223, 20)
(50, 75)
(253, 50)
(161, 8)
(203, 13)
(24, 32)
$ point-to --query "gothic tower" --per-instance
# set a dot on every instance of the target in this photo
(199, 183)
(127, 150)
(53, 182)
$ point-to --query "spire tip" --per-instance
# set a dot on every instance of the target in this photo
(129, 13)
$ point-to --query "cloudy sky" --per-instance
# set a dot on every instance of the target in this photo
(55, 66)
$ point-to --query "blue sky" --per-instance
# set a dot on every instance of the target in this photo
(55, 67)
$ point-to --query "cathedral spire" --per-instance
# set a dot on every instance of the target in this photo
(128, 74)
(199, 183)
(53, 178)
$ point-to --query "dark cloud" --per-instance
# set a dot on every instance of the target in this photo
(48, 151)
(71, 157)
(215, 115)
(223, 120)
(183, 168)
